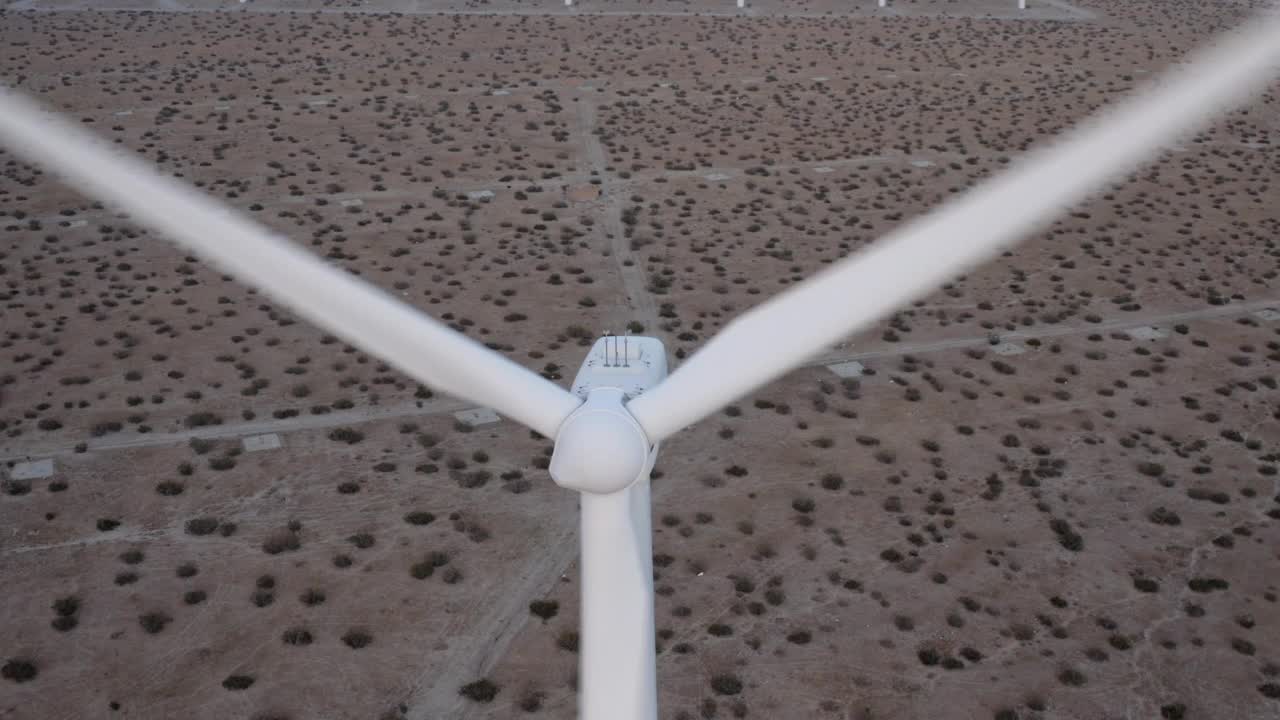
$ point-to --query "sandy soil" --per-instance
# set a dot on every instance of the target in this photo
(1087, 527)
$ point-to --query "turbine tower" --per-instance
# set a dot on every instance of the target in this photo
(622, 404)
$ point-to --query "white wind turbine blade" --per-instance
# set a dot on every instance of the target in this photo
(333, 299)
(783, 332)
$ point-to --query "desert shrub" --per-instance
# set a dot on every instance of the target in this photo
(346, 435)
(419, 517)
(202, 419)
(221, 463)
(719, 630)
(568, 640)
(201, 526)
(312, 597)
(1242, 646)
(281, 541)
(66, 606)
(799, 637)
(545, 609)
(363, 541)
(1204, 585)
(1067, 536)
(1151, 469)
(237, 682)
(357, 639)
(1072, 677)
(19, 670)
(170, 488)
(154, 622)
(531, 702)
(186, 570)
(1216, 497)
(422, 570)
(296, 636)
(107, 524)
(479, 691)
(63, 624)
(1145, 584)
(726, 685)
(194, 597)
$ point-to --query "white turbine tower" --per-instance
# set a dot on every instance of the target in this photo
(622, 405)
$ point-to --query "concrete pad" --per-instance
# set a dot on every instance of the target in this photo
(716, 177)
(821, 78)
(1008, 348)
(77, 223)
(221, 107)
(1268, 314)
(255, 443)
(480, 195)
(123, 113)
(848, 369)
(664, 84)
(351, 202)
(824, 169)
(317, 103)
(33, 470)
(500, 93)
(586, 88)
(477, 416)
(1147, 332)
(922, 163)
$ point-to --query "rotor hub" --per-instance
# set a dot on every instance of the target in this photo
(600, 448)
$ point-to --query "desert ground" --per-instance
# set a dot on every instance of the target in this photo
(1048, 490)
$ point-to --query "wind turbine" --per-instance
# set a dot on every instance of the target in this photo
(608, 429)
